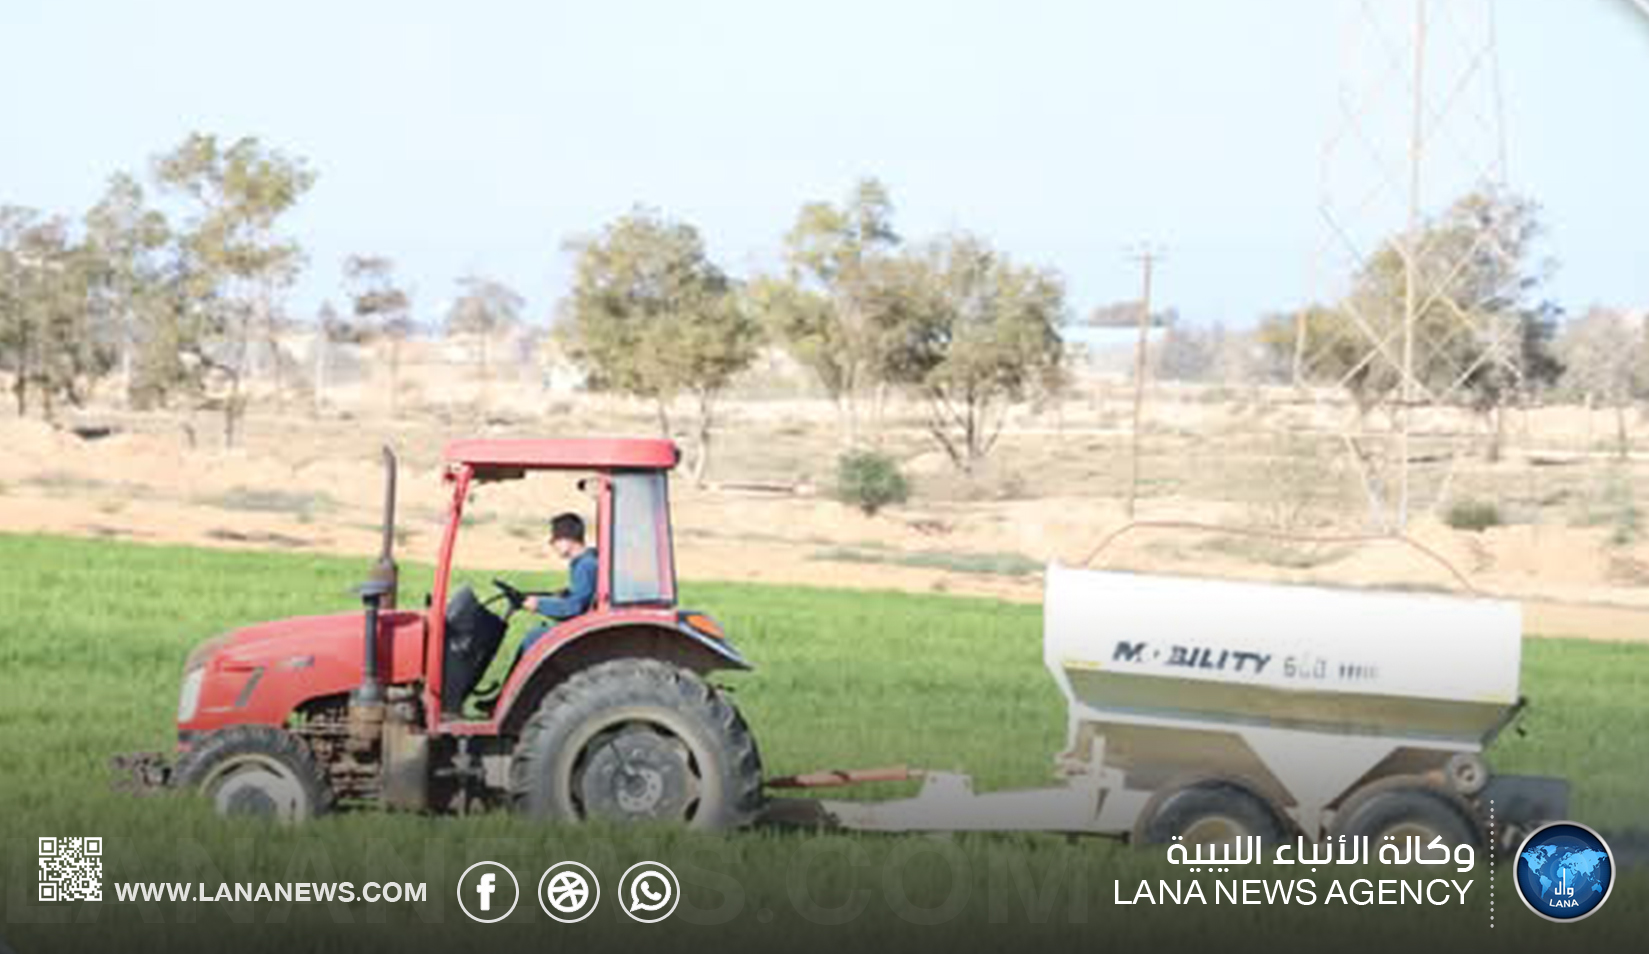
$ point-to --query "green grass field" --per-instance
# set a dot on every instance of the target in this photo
(94, 634)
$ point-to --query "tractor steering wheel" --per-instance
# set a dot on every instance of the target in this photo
(516, 598)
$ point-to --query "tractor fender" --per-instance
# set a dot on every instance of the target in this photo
(586, 641)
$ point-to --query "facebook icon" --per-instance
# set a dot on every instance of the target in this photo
(481, 892)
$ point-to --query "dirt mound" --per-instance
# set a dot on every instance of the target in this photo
(34, 445)
(314, 486)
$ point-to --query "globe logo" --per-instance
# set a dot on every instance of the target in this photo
(1563, 871)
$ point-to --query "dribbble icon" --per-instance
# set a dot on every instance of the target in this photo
(649, 891)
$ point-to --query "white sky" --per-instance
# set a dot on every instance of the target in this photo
(478, 136)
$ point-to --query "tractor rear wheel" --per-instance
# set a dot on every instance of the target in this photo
(256, 771)
(637, 740)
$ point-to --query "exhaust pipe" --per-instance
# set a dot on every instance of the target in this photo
(378, 593)
(385, 572)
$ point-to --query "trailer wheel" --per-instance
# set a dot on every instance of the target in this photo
(256, 771)
(1401, 807)
(1210, 811)
(1466, 772)
(637, 740)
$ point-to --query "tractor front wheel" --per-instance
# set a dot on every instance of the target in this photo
(256, 771)
(637, 740)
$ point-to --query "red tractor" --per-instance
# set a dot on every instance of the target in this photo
(609, 715)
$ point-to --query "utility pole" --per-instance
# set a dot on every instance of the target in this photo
(1411, 243)
(1147, 257)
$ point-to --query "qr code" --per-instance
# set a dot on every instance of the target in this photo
(71, 869)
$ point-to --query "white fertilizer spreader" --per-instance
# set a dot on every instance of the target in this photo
(1210, 710)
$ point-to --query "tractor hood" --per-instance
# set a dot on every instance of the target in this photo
(262, 673)
(304, 641)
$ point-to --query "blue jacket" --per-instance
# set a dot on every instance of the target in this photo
(580, 589)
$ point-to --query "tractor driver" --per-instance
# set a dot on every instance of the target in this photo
(567, 540)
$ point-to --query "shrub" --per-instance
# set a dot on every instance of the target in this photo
(262, 500)
(1623, 516)
(1473, 515)
(870, 481)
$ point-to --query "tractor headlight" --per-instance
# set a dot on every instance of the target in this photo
(189, 697)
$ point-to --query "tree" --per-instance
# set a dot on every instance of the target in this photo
(969, 332)
(124, 238)
(16, 319)
(1189, 353)
(382, 311)
(330, 328)
(1490, 238)
(51, 340)
(651, 316)
(819, 309)
(1605, 355)
(1340, 352)
(804, 321)
(1480, 331)
(234, 260)
(486, 308)
(175, 320)
(1523, 363)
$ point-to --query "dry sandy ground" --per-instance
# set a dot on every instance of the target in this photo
(302, 486)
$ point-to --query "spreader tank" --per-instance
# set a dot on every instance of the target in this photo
(1131, 648)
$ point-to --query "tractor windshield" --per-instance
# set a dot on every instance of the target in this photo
(641, 560)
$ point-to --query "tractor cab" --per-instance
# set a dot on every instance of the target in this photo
(629, 538)
(635, 593)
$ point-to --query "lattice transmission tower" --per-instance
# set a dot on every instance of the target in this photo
(1415, 262)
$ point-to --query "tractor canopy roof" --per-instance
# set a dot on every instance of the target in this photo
(489, 456)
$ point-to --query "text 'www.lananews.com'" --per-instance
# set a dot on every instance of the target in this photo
(372, 892)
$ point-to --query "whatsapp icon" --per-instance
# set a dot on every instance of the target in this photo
(649, 891)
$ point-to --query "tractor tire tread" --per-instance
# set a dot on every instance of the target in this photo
(642, 681)
(195, 765)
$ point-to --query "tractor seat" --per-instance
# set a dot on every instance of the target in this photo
(474, 634)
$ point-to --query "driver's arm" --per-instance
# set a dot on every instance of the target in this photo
(579, 595)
